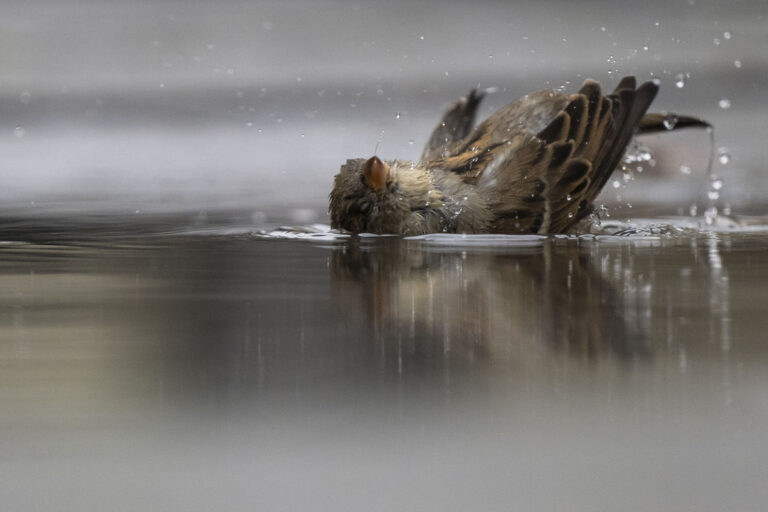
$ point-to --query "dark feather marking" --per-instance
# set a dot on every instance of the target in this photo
(575, 110)
(554, 131)
(592, 91)
(560, 153)
(575, 171)
(579, 188)
(628, 82)
(537, 222)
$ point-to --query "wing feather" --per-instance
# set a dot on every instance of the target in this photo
(542, 161)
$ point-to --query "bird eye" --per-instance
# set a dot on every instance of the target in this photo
(364, 207)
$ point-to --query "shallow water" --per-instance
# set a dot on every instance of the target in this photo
(194, 367)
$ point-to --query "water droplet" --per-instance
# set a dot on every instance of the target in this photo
(616, 183)
(693, 210)
(723, 155)
(411, 142)
(19, 131)
(568, 197)
(737, 63)
(570, 215)
(670, 121)
(713, 195)
(680, 80)
(726, 35)
(25, 97)
(397, 115)
(602, 29)
(656, 23)
(724, 103)
(685, 169)
(421, 37)
(645, 48)
(717, 183)
(249, 124)
(710, 214)
(301, 135)
(490, 57)
(716, 41)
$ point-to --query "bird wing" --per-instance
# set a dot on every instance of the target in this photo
(455, 125)
(541, 161)
(601, 128)
(471, 155)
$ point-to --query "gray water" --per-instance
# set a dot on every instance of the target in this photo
(244, 371)
(179, 330)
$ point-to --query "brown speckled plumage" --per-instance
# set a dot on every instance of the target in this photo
(534, 166)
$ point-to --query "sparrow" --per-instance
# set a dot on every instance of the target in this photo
(534, 166)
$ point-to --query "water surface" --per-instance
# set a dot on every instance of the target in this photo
(180, 368)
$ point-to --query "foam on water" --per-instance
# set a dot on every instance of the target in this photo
(614, 231)
(487, 240)
(312, 232)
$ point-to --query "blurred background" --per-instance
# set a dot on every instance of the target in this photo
(126, 106)
(155, 354)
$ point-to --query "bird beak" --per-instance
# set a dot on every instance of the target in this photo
(375, 173)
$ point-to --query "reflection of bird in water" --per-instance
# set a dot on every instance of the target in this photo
(586, 315)
(427, 306)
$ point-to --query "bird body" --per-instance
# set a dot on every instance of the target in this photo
(534, 166)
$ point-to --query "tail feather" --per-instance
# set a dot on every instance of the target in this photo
(654, 123)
